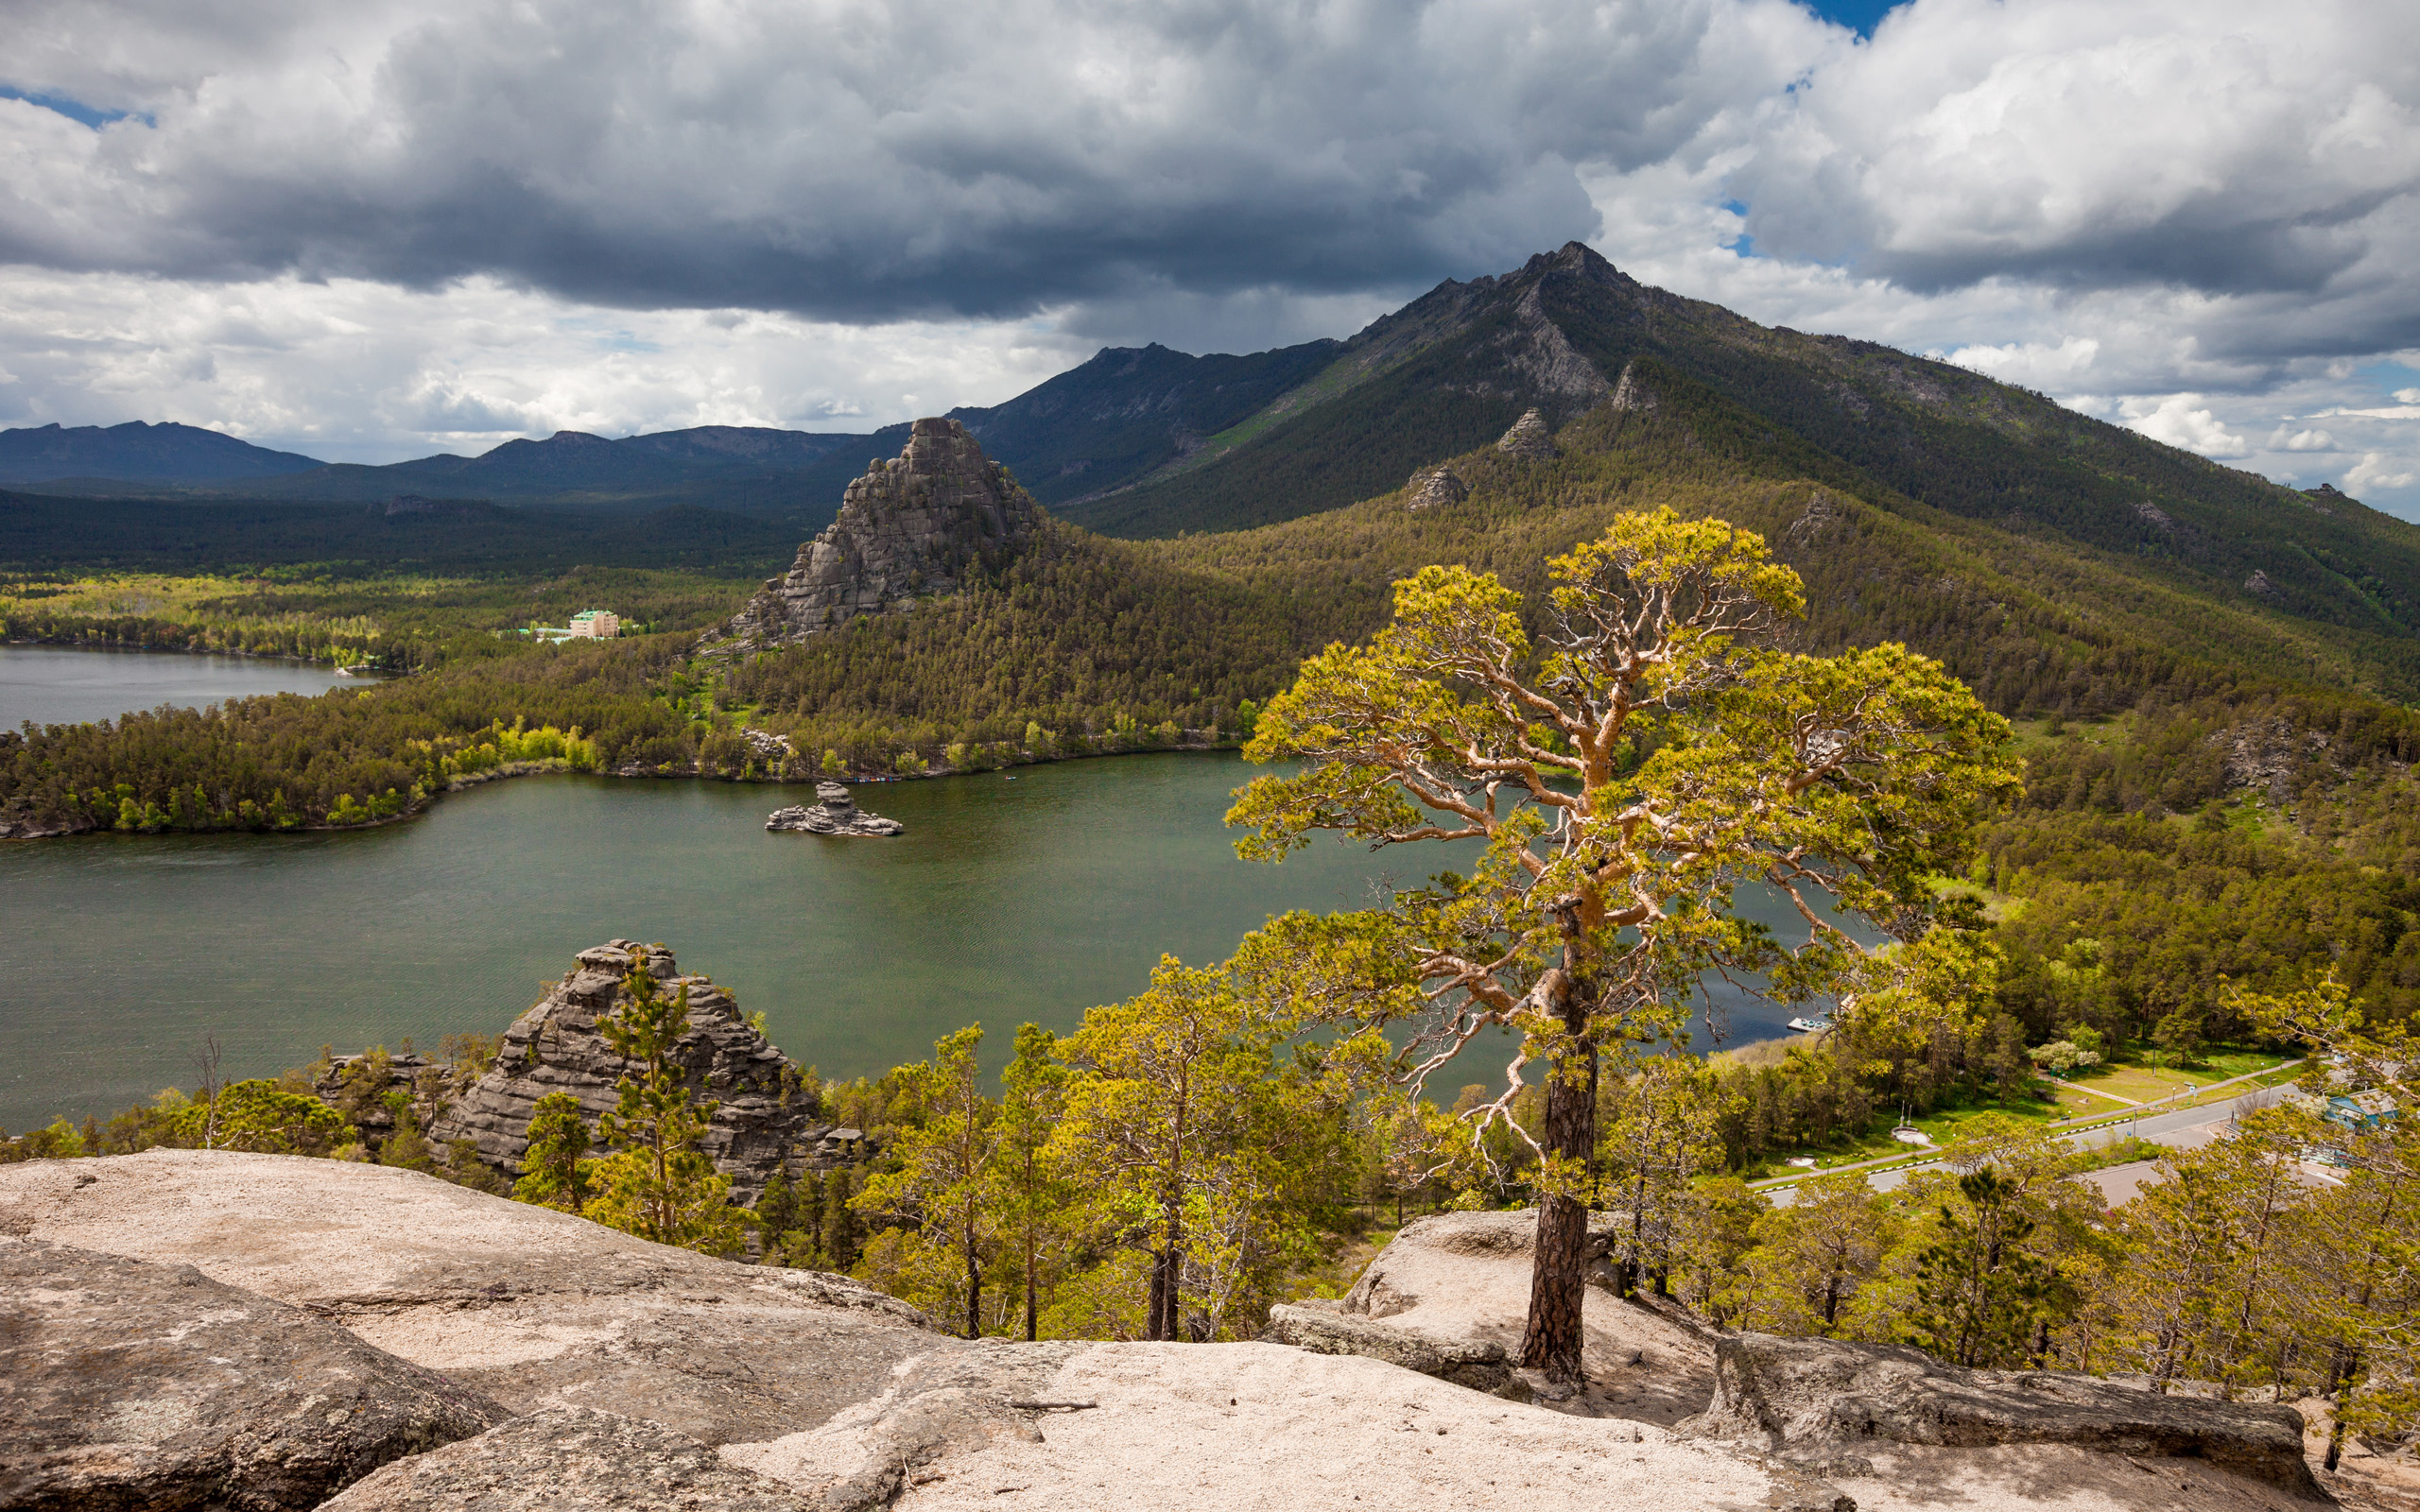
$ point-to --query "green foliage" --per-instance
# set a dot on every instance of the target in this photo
(657, 1184)
(555, 1168)
(1980, 1296)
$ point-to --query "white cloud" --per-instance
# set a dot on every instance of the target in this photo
(354, 371)
(2183, 420)
(375, 227)
(2376, 471)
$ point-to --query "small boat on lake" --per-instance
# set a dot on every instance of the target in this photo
(1810, 1025)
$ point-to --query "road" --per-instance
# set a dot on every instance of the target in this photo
(2178, 1127)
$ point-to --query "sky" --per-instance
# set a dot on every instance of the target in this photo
(386, 228)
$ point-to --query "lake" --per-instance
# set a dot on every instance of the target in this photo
(74, 685)
(1030, 896)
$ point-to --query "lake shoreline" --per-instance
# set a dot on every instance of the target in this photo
(27, 830)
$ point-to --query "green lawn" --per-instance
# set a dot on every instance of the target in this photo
(1942, 1125)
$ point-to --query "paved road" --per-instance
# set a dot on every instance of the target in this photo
(2178, 1127)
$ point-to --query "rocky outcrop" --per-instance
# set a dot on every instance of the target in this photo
(1528, 440)
(126, 1383)
(835, 812)
(765, 1122)
(569, 1459)
(1809, 1398)
(1434, 488)
(915, 527)
(1632, 395)
(1324, 1327)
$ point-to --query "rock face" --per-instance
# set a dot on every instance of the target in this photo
(1803, 1397)
(1436, 486)
(125, 1384)
(1461, 1280)
(569, 1459)
(1327, 1329)
(1632, 395)
(765, 1123)
(835, 813)
(914, 527)
(1528, 438)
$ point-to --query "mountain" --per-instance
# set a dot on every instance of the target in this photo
(137, 452)
(1130, 411)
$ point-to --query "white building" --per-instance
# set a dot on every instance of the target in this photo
(595, 624)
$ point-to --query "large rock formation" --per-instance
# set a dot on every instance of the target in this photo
(1435, 487)
(1812, 1399)
(913, 527)
(1530, 439)
(835, 812)
(765, 1123)
(126, 1383)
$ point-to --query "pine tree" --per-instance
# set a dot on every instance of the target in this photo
(840, 1230)
(1037, 1197)
(657, 1184)
(1980, 1295)
(555, 1168)
(944, 1185)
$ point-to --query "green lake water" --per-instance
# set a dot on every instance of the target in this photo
(1030, 897)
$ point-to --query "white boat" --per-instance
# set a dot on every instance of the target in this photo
(1810, 1025)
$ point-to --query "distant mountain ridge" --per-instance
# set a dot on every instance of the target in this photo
(139, 453)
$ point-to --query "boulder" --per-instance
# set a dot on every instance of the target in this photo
(531, 1307)
(765, 1123)
(1528, 438)
(1435, 489)
(918, 525)
(1806, 1398)
(1327, 1329)
(569, 1459)
(127, 1383)
(835, 812)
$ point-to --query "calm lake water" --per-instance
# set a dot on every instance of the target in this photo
(1008, 899)
(74, 685)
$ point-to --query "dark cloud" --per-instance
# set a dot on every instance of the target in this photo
(872, 162)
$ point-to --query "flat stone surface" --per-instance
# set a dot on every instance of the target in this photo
(135, 1385)
(533, 1307)
(569, 1459)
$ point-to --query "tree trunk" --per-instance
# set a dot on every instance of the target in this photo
(1558, 1277)
(974, 1288)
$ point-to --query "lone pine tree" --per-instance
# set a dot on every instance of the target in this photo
(1651, 748)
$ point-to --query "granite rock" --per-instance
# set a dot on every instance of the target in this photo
(765, 1122)
(1435, 487)
(1528, 438)
(130, 1384)
(1325, 1328)
(532, 1307)
(1808, 1399)
(835, 813)
(569, 1459)
(918, 525)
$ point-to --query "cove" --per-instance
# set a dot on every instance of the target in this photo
(75, 685)
(1030, 897)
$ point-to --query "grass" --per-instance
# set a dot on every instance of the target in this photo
(1942, 1126)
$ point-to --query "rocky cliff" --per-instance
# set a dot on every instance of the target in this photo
(765, 1123)
(915, 527)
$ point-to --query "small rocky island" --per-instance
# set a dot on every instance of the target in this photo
(835, 813)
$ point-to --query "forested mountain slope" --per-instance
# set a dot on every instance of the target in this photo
(1454, 367)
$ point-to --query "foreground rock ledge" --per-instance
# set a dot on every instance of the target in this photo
(1812, 1398)
(125, 1384)
(569, 1459)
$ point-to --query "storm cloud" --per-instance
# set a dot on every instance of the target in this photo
(2195, 216)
